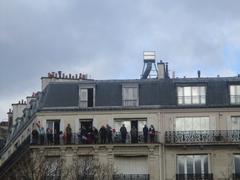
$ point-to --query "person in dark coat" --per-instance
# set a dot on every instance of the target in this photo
(84, 135)
(95, 135)
(151, 133)
(103, 134)
(145, 133)
(109, 134)
(56, 137)
(49, 136)
(123, 132)
(34, 136)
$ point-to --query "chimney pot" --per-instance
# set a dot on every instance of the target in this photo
(199, 73)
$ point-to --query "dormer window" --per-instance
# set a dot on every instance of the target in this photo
(188, 95)
(130, 95)
(235, 94)
(86, 97)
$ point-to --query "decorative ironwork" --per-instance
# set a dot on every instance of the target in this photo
(204, 136)
(61, 139)
(131, 177)
(194, 176)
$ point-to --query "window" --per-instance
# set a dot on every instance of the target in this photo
(191, 95)
(130, 96)
(192, 165)
(193, 123)
(234, 123)
(235, 94)
(86, 97)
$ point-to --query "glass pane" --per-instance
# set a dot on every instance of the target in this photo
(180, 124)
(197, 160)
(202, 91)
(234, 123)
(83, 94)
(232, 90)
(187, 95)
(237, 92)
(180, 91)
(205, 163)
(188, 125)
(189, 164)
(204, 123)
(180, 164)
(237, 164)
(141, 125)
(196, 123)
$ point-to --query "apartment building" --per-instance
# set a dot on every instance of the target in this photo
(196, 122)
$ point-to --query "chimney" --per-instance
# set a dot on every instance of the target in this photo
(10, 118)
(199, 73)
(60, 74)
(166, 71)
(161, 70)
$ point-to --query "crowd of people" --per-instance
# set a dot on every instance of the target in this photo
(105, 135)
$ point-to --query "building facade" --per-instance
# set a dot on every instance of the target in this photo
(196, 125)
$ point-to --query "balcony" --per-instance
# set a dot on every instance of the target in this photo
(194, 176)
(77, 139)
(203, 137)
(131, 177)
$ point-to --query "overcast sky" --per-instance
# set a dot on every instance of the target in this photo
(106, 39)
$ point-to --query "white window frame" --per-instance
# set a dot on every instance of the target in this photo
(194, 157)
(83, 101)
(234, 91)
(194, 96)
(134, 99)
(197, 123)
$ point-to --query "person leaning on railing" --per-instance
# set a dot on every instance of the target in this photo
(152, 133)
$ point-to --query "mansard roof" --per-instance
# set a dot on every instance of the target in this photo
(159, 93)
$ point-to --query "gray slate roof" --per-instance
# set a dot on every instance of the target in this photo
(152, 92)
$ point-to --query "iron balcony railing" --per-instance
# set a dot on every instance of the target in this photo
(194, 176)
(75, 138)
(131, 177)
(204, 136)
(236, 176)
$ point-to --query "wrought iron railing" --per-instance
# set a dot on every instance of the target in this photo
(236, 176)
(76, 138)
(130, 102)
(204, 136)
(131, 177)
(194, 176)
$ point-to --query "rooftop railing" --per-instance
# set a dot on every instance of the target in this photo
(203, 136)
(75, 138)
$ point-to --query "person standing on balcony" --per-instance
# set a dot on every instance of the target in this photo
(123, 132)
(145, 133)
(84, 135)
(134, 134)
(109, 134)
(49, 136)
(152, 133)
(103, 134)
(69, 133)
(34, 136)
(95, 135)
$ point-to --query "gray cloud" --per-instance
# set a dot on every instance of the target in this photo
(106, 39)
